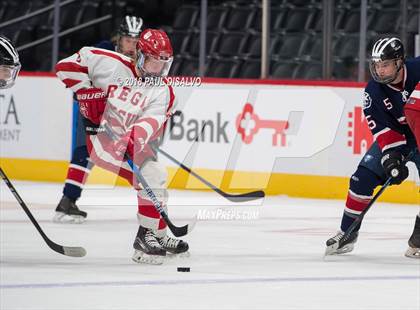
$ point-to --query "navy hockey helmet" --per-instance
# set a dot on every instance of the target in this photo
(387, 52)
(9, 63)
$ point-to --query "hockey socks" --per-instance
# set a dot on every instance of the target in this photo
(362, 184)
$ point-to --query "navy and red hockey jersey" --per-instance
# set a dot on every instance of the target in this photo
(383, 106)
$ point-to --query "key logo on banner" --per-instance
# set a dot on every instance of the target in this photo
(248, 124)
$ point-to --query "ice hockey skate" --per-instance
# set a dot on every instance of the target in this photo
(174, 246)
(147, 248)
(413, 250)
(68, 212)
(336, 246)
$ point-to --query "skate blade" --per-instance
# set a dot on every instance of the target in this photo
(331, 249)
(334, 250)
(143, 258)
(413, 253)
(63, 218)
(178, 255)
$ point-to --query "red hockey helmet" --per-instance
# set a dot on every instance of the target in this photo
(154, 51)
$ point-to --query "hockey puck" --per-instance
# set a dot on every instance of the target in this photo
(183, 269)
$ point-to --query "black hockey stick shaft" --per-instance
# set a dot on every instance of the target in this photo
(232, 197)
(65, 250)
(359, 219)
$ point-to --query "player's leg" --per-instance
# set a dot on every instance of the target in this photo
(147, 248)
(368, 175)
(149, 218)
(150, 244)
(67, 211)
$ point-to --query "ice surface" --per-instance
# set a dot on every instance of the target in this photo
(272, 262)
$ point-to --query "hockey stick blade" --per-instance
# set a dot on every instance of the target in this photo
(65, 250)
(183, 230)
(73, 251)
(243, 197)
(231, 197)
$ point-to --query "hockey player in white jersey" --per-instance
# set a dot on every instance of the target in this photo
(67, 210)
(136, 113)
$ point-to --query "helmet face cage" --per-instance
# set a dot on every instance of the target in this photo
(385, 52)
(9, 63)
(151, 66)
(8, 75)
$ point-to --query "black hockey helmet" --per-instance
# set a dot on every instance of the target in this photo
(387, 49)
(128, 35)
(130, 26)
(9, 63)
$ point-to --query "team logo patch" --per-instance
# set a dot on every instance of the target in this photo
(367, 101)
(404, 95)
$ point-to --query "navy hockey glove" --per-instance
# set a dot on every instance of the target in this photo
(394, 167)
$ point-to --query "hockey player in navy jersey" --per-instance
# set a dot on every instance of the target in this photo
(394, 79)
(67, 211)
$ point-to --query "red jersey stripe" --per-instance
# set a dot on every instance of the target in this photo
(123, 61)
(71, 67)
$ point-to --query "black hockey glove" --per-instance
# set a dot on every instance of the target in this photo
(394, 167)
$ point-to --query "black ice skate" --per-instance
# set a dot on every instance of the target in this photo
(68, 212)
(147, 248)
(336, 245)
(172, 245)
(414, 241)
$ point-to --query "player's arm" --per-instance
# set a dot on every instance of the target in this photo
(389, 140)
(148, 127)
(74, 72)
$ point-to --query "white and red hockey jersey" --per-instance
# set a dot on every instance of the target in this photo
(136, 107)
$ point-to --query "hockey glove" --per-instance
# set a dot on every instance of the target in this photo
(92, 103)
(394, 167)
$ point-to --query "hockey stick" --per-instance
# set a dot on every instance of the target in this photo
(177, 231)
(65, 250)
(231, 197)
(346, 235)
